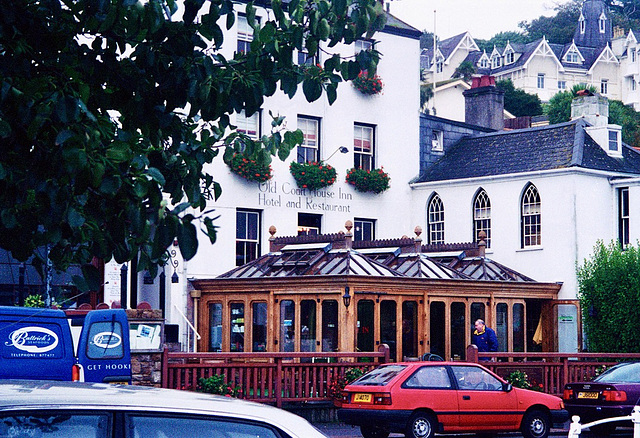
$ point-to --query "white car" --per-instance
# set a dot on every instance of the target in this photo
(47, 409)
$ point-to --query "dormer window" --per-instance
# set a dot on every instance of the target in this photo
(509, 57)
(436, 141)
(496, 62)
(484, 63)
(614, 143)
(602, 22)
(633, 55)
(572, 56)
(582, 23)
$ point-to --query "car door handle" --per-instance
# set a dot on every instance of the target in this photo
(466, 397)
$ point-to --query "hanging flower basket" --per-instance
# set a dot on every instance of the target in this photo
(376, 180)
(249, 168)
(368, 85)
(313, 176)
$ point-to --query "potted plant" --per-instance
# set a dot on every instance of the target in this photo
(366, 84)
(376, 180)
(249, 168)
(314, 175)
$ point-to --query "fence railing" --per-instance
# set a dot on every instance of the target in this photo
(269, 377)
(549, 372)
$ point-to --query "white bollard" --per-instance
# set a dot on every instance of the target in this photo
(635, 417)
(575, 427)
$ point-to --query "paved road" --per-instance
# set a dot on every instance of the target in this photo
(337, 430)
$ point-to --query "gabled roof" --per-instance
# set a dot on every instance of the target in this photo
(551, 147)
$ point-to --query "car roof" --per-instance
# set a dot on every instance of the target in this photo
(38, 394)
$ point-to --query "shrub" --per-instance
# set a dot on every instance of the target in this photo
(216, 384)
(337, 385)
(519, 379)
(313, 176)
(249, 168)
(376, 180)
(368, 85)
(34, 301)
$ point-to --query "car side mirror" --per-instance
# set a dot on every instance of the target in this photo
(507, 387)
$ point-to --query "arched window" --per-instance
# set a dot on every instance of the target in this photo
(530, 219)
(435, 220)
(482, 216)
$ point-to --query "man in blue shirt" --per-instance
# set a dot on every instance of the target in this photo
(484, 338)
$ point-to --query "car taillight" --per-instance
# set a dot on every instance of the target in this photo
(617, 396)
(75, 373)
(345, 397)
(568, 394)
(382, 398)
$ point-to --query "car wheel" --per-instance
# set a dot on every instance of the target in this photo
(373, 432)
(536, 424)
(603, 430)
(421, 425)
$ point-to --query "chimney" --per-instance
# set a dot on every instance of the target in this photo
(484, 103)
(593, 108)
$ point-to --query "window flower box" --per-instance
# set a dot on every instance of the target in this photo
(249, 168)
(313, 176)
(368, 85)
(375, 181)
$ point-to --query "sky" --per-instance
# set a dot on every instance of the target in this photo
(482, 18)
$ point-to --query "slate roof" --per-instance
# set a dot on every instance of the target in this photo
(10, 272)
(551, 147)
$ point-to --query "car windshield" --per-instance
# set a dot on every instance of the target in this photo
(380, 376)
(626, 373)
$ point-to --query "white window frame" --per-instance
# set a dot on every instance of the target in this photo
(435, 220)
(633, 55)
(623, 216)
(562, 85)
(437, 144)
(530, 218)
(309, 150)
(540, 82)
(364, 226)
(248, 239)
(244, 34)
(364, 146)
(482, 216)
(604, 86)
(362, 45)
(509, 57)
(250, 126)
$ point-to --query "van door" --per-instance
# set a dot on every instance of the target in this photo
(104, 353)
(35, 344)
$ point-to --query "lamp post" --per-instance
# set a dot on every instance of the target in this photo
(342, 149)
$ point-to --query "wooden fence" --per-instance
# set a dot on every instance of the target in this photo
(277, 378)
(549, 372)
(272, 378)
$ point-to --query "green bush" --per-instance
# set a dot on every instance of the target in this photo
(609, 293)
(519, 379)
(217, 384)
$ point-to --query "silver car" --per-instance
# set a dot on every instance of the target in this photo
(46, 409)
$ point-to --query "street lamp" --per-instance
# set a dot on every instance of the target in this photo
(346, 298)
(342, 149)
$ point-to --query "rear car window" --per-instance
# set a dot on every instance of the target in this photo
(105, 340)
(54, 425)
(629, 373)
(142, 426)
(380, 376)
(429, 377)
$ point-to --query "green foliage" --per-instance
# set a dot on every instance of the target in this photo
(217, 384)
(368, 84)
(501, 39)
(426, 40)
(558, 28)
(352, 374)
(313, 176)
(465, 70)
(337, 384)
(518, 102)
(110, 112)
(250, 168)
(520, 379)
(426, 93)
(559, 110)
(609, 293)
(376, 180)
(34, 301)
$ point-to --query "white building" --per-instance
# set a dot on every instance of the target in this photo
(599, 55)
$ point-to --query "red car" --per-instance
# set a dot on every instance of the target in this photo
(420, 399)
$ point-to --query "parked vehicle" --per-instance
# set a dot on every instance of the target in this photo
(613, 393)
(45, 409)
(37, 344)
(420, 399)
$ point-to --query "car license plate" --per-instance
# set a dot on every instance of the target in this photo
(593, 395)
(362, 398)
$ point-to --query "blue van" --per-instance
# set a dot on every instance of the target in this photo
(37, 344)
